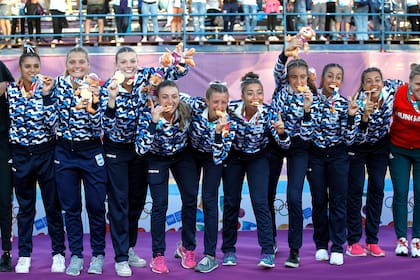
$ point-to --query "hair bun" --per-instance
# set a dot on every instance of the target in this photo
(250, 76)
(28, 48)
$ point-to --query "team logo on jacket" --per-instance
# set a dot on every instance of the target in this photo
(100, 160)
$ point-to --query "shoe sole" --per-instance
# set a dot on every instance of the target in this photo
(264, 265)
(401, 254)
(207, 271)
(376, 255)
(356, 255)
(291, 265)
(137, 264)
(229, 264)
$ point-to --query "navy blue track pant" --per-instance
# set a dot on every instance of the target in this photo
(212, 175)
(73, 165)
(126, 189)
(297, 166)
(184, 172)
(256, 167)
(31, 165)
(6, 193)
(328, 179)
(375, 158)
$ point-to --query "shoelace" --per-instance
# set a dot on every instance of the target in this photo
(189, 256)
(403, 243)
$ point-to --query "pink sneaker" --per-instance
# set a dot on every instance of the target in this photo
(374, 250)
(355, 250)
(187, 257)
(158, 264)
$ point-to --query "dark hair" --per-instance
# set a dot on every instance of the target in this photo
(249, 79)
(183, 109)
(29, 50)
(5, 75)
(363, 77)
(328, 66)
(216, 86)
(123, 50)
(297, 63)
(74, 50)
(415, 70)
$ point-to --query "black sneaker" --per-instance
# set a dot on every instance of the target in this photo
(6, 262)
(293, 259)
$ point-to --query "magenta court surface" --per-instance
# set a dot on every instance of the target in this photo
(388, 267)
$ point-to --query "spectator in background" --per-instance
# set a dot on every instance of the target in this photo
(149, 9)
(249, 8)
(198, 11)
(139, 2)
(176, 23)
(361, 21)
(272, 8)
(18, 9)
(330, 19)
(5, 11)
(343, 10)
(57, 9)
(376, 8)
(95, 9)
(318, 21)
(290, 19)
(230, 7)
(300, 8)
(122, 11)
(34, 9)
(413, 7)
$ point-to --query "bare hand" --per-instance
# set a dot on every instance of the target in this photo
(221, 123)
(155, 111)
(307, 100)
(48, 84)
(279, 125)
(3, 88)
(353, 107)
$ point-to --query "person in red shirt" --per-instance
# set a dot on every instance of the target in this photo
(405, 156)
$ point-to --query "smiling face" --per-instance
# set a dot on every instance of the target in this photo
(77, 64)
(332, 78)
(217, 103)
(415, 86)
(298, 77)
(253, 95)
(127, 63)
(29, 67)
(372, 81)
(168, 98)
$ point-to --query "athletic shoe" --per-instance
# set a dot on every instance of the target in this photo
(96, 264)
(374, 250)
(187, 256)
(207, 264)
(6, 262)
(75, 266)
(134, 260)
(321, 255)
(229, 259)
(266, 261)
(402, 247)
(23, 265)
(158, 39)
(415, 247)
(123, 269)
(355, 250)
(293, 259)
(58, 264)
(158, 264)
(336, 258)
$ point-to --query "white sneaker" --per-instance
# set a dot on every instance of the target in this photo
(231, 38)
(415, 247)
(402, 247)
(336, 258)
(58, 264)
(144, 39)
(158, 39)
(123, 269)
(226, 38)
(323, 38)
(55, 41)
(121, 40)
(23, 265)
(197, 39)
(135, 260)
(203, 38)
(321, 255)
